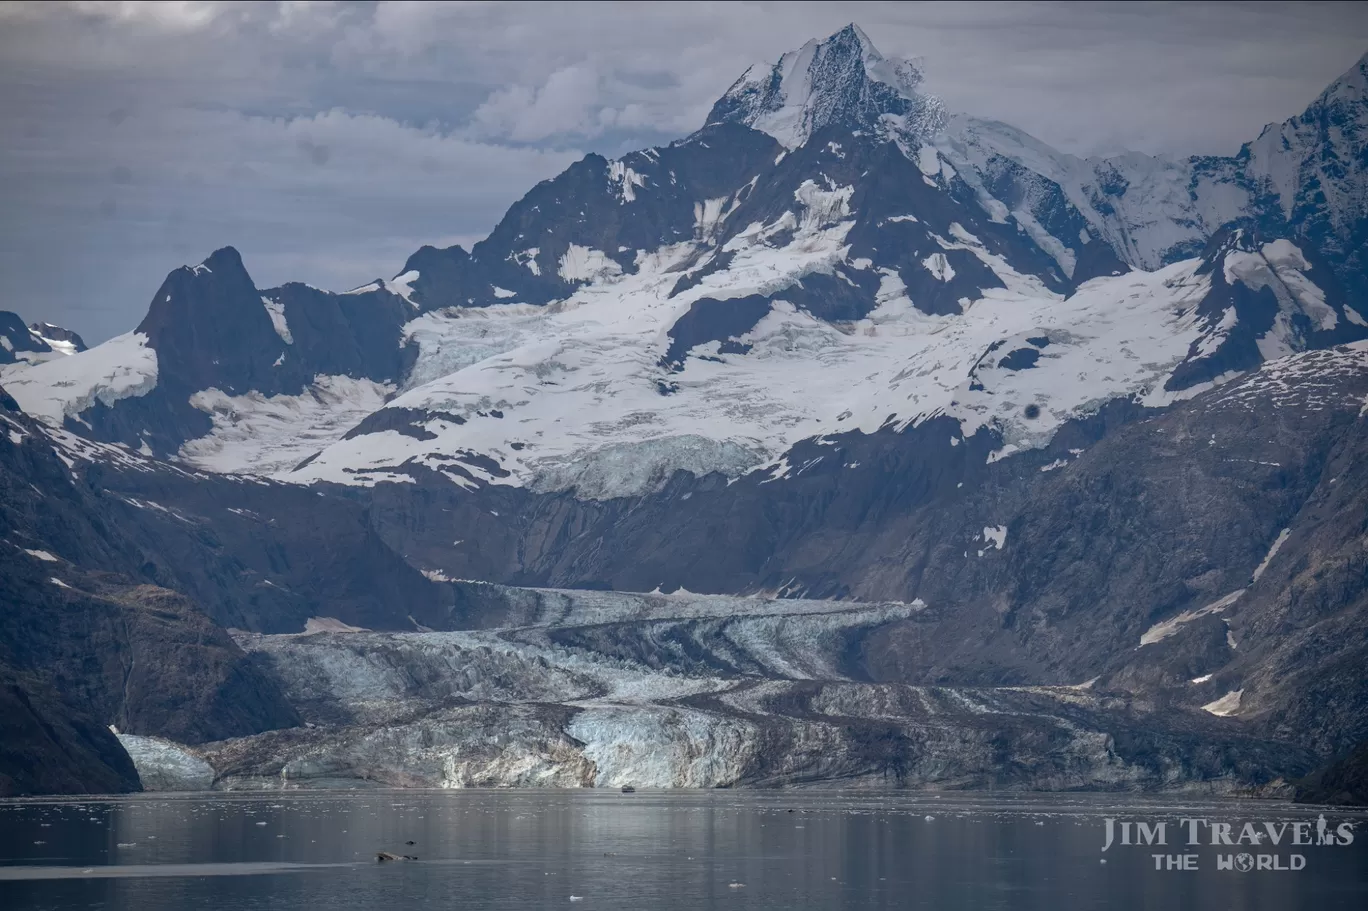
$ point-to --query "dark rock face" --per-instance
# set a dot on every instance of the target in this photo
(80, 610)
(1344, 781)
(136, 656)
(209, 329)
(710, 320)
(1242, 310)
(15, 336)
(85, 643)
(358, 334)
(616, 209)
(49, 745)
(1323, 147)
(250, 554)
(267, 557)
(58, 334)
(212, 329)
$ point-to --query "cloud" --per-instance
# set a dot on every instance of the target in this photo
(334, 199)
(567, 103)
(328, 140)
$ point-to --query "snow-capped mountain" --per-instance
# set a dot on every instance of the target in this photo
(36, 342)
(1072, 423)
(1304, 178)
(827, 254)
(841, 82)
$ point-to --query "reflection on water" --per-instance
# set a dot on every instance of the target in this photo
(656, 850)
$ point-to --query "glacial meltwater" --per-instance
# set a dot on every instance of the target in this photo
(665, 850)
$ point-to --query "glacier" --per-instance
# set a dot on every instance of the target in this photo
(607, 689)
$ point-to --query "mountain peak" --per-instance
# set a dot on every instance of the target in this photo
(840, 81)
(1352, 85)
(224, 258)
(65, 340)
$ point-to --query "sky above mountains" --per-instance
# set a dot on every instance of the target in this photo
(327, 141)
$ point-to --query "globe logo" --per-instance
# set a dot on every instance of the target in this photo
(1244, 863)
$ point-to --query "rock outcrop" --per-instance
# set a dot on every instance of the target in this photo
(1344, 781)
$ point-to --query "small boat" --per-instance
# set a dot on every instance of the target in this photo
(628, 789)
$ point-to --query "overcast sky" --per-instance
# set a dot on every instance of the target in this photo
(327, 141)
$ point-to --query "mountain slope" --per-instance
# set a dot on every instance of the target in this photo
(1304, 179)
(1098, 420)
(706, 305)
(36, 342)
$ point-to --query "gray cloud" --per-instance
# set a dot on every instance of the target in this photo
(329, 140)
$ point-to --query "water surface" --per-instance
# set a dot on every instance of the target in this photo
(650, 850)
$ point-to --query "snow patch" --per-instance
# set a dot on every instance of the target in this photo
(1228, 704)
(1272, 552)
(330, 625)
(276, 311)
(528, 259)
(270, 435)
(708, 216)
(822, 206)
(625, 179)
(939, 267)
(402, 285)
(928, 161)
(583, 264)
(1160, 631)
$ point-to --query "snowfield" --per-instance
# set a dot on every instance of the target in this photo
(570, 395)
(52, 390)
